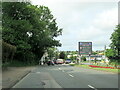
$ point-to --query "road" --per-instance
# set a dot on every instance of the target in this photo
(65, 76)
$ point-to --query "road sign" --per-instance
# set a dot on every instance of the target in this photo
(85, 48)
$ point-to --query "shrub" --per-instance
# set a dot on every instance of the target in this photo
(8, 52)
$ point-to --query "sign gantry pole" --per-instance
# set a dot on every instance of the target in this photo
(89, 58)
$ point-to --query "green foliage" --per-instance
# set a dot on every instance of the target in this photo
(30, 28)
(94, 53)
(62, 55)
(8, 52)
(110, 53)
(17, 63)
(115, 45)
(115, 38)
(73, 57)
(72, 64)
(52, 53)
(83, 58)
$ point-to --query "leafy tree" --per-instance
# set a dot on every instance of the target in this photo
(73, 57)
(52, 53)
(83, 58)
(110, 53)
(94, 53)
(30, 28)
(62, 55)
(15, 28)
(115, 45)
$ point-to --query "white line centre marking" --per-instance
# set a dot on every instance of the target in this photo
(92, 87)
(37, 72)
(71, 75)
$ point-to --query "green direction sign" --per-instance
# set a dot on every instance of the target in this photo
(85, 48)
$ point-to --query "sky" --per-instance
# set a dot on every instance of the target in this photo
(83, 21)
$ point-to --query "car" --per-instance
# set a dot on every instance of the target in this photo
(67, 61)
(59, 61)
(50, 63)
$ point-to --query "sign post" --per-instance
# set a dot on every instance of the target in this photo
(85, 48)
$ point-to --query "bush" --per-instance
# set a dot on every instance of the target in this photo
(83, 58)
(26, 57)
(8, 52)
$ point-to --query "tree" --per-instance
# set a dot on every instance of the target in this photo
(83, 58)
(15, 27)
(30, 28)
(62, 55)
(115, 45)
(110, 53)
(52, 53)
(94, 53)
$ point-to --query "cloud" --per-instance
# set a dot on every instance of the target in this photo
(37, 2)
(107, 19)
(86, 21)
(99, 31)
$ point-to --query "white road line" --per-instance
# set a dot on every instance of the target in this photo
(37, 72)
(21, 80)
(92, 87)
(59, 68)
(71, 75)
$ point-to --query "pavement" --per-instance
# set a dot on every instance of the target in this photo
(12, 75)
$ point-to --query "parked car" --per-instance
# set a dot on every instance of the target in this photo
(67, 61)
(50, 63)
(59, 61)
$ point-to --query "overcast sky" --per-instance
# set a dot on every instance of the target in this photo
(81, 20)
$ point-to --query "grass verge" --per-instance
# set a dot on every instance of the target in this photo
(101, 69)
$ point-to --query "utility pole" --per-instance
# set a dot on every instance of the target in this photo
(104, 53)
(106, 60)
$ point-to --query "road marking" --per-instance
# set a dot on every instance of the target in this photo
(37, 72)
(71, 75)
(92, 87)
(59, 68)
(20, 80)
(63, 71)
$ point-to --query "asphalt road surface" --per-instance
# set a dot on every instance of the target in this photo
(65, 76)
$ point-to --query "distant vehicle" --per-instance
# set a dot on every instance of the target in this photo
(59, 61)
(50, 63)
(67, 61)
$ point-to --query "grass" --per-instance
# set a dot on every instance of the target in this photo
(109, 70)
(101, 69)
(72, 64)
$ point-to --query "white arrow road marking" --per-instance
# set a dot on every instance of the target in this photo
(92, 87)
(71, 75)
